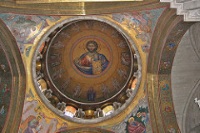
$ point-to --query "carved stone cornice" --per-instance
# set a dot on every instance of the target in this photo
(190, 9)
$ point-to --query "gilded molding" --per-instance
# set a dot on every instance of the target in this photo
(78, 8)
(64, 1)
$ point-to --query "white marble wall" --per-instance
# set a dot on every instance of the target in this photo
(186, 80)
(190, 9)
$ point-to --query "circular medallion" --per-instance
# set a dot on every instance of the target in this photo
(87, 68)
(88, 61)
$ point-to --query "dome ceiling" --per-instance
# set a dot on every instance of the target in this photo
(87, 66)
(56, 101)
(88, 62)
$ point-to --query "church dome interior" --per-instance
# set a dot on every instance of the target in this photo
(99, 66)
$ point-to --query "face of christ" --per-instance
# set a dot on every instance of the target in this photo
(92, 46)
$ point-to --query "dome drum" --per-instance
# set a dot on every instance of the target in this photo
(87, 65)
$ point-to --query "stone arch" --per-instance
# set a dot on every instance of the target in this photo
(166, 38)
(185, 81)
(14, 86)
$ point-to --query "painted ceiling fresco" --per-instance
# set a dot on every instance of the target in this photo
(88, 56)
(32, 31)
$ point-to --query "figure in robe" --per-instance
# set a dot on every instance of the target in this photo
(135, 126)
(91, 62)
